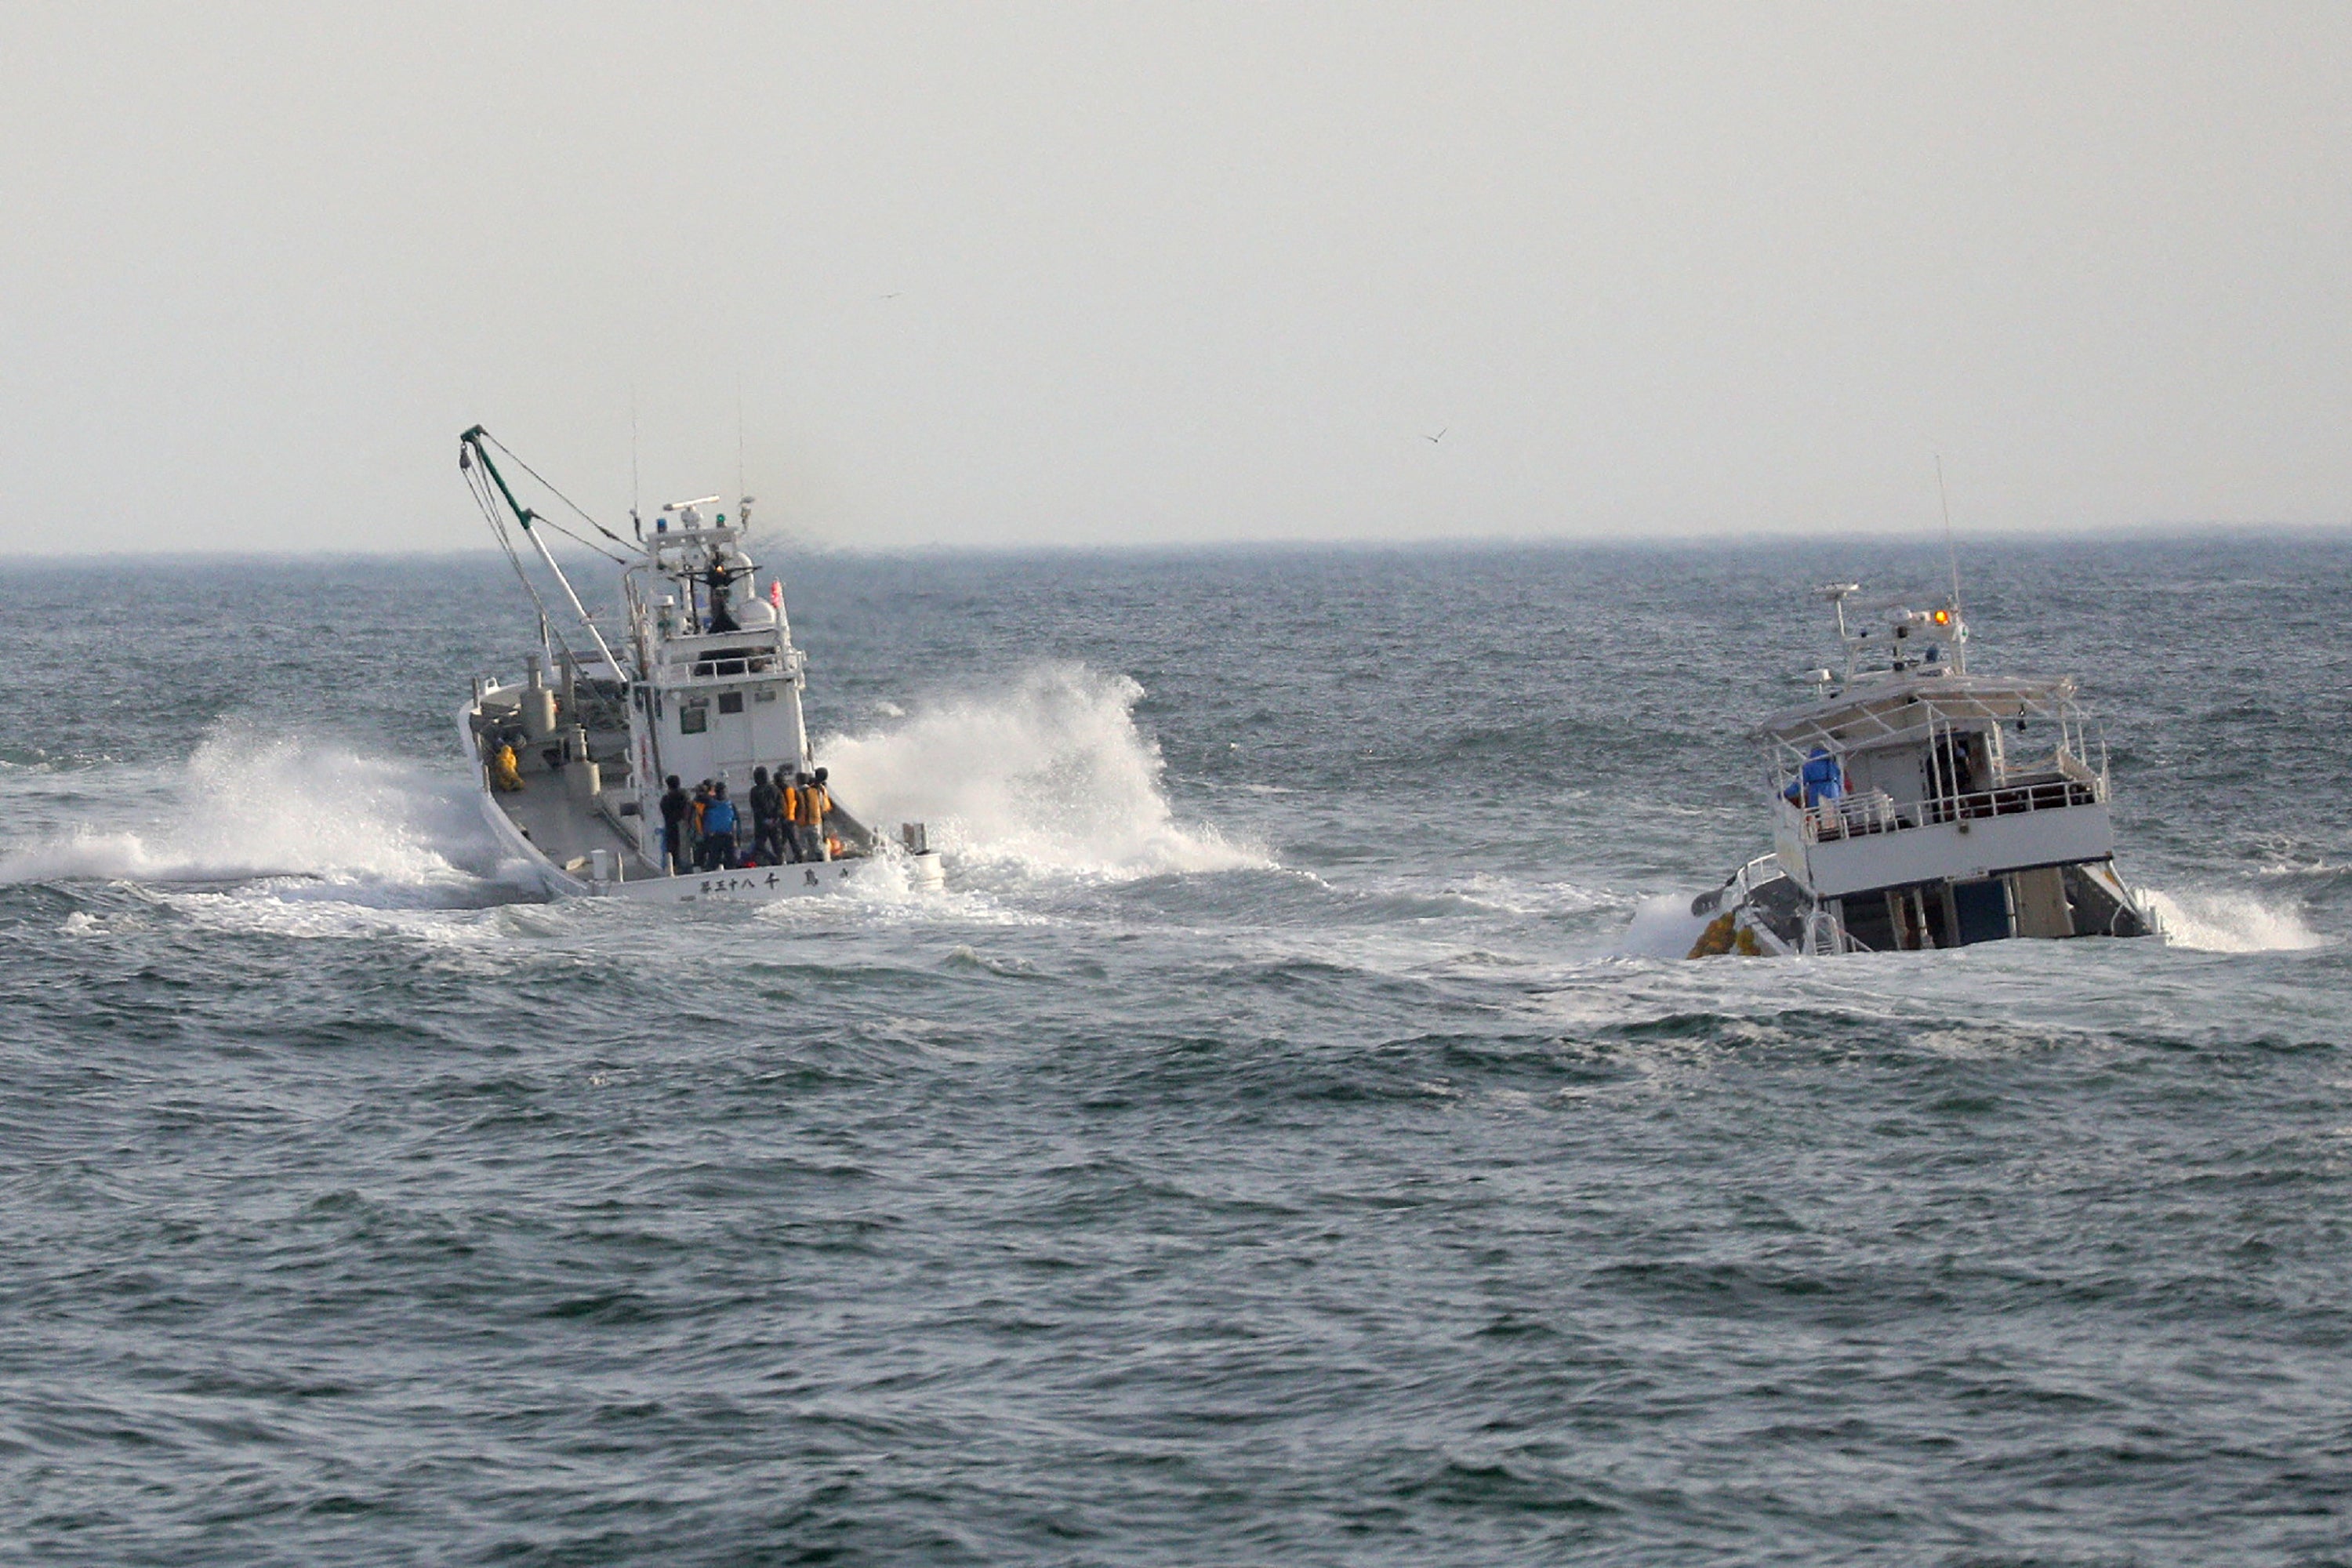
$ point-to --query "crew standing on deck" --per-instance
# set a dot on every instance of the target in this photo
(767, 820)
(792, 797)
(718, 831)
(674, 807)
(815, 802)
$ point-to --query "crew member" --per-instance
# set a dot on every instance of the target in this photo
(720, 577)
(815, 802)
(718, 831)
(767, 819)
(1818, 780)
(674, 808)
(795, 812)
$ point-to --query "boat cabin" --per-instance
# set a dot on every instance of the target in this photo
(722, 688)
(1919, 805)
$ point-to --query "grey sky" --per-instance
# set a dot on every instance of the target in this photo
(1117, 273)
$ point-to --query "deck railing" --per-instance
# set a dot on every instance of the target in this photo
(1852, 817)
(759, 663)
(2042, 794)
(1875, 811)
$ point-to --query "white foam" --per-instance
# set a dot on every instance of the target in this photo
(1045, 773)
(1663, 927)
(2207, 921)
(2229, 922)
(308, 820)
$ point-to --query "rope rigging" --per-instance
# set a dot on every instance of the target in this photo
(479, 482)
(577, 509)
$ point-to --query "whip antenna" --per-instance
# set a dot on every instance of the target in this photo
(1951, 551)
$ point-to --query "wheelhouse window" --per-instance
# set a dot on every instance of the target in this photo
(731, 702)
(693, 718)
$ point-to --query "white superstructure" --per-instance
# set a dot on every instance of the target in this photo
(1915, 805)
(703, 683)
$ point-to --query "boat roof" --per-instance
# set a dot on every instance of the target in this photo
(1890, 707)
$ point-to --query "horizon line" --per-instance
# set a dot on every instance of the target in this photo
(1294, 545)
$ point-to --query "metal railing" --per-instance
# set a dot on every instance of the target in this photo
(756, 664)
(2043, 794)
(1852, 816)
(1875, 811)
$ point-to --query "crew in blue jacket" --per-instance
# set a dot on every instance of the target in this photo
(718, 831)
(1819, 779)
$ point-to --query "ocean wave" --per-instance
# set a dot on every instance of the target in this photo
(1663, 927)
(293, 820)
(1043, 774)
(2223, 921)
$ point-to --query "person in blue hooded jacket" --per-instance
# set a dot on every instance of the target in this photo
(1818, 780)
(718, 831)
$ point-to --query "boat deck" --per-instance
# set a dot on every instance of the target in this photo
(563, 829)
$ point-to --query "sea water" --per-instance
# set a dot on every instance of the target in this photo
(1291, 1138)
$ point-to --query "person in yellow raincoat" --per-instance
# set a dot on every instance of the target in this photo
(815, 802)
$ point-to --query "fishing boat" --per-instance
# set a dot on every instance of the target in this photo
(573, 761)
(1916, 805)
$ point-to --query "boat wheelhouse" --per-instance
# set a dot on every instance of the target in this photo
(1917, 806)
(571, 760)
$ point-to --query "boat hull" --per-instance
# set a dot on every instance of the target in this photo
(630, 878)
(1761, 911)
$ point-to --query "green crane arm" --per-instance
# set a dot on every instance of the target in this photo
(471, 450)
(472, 447)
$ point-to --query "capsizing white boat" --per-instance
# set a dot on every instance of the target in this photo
(572, 760)
(1916, 805)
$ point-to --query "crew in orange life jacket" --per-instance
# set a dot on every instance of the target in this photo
(816, 801)
(796, 814)
(807, 805)
(789, 788)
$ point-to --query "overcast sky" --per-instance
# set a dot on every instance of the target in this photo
(1136, 273)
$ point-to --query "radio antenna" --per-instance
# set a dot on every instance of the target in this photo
(1952, 554)
(1951, 551)
(634, 520)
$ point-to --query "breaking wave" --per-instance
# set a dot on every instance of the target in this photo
(1046, 773)
(1663, 927)
(2230, 922)
(310, 820)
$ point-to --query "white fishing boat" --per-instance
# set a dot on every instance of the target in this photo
(573, 761)
(1916, 805)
